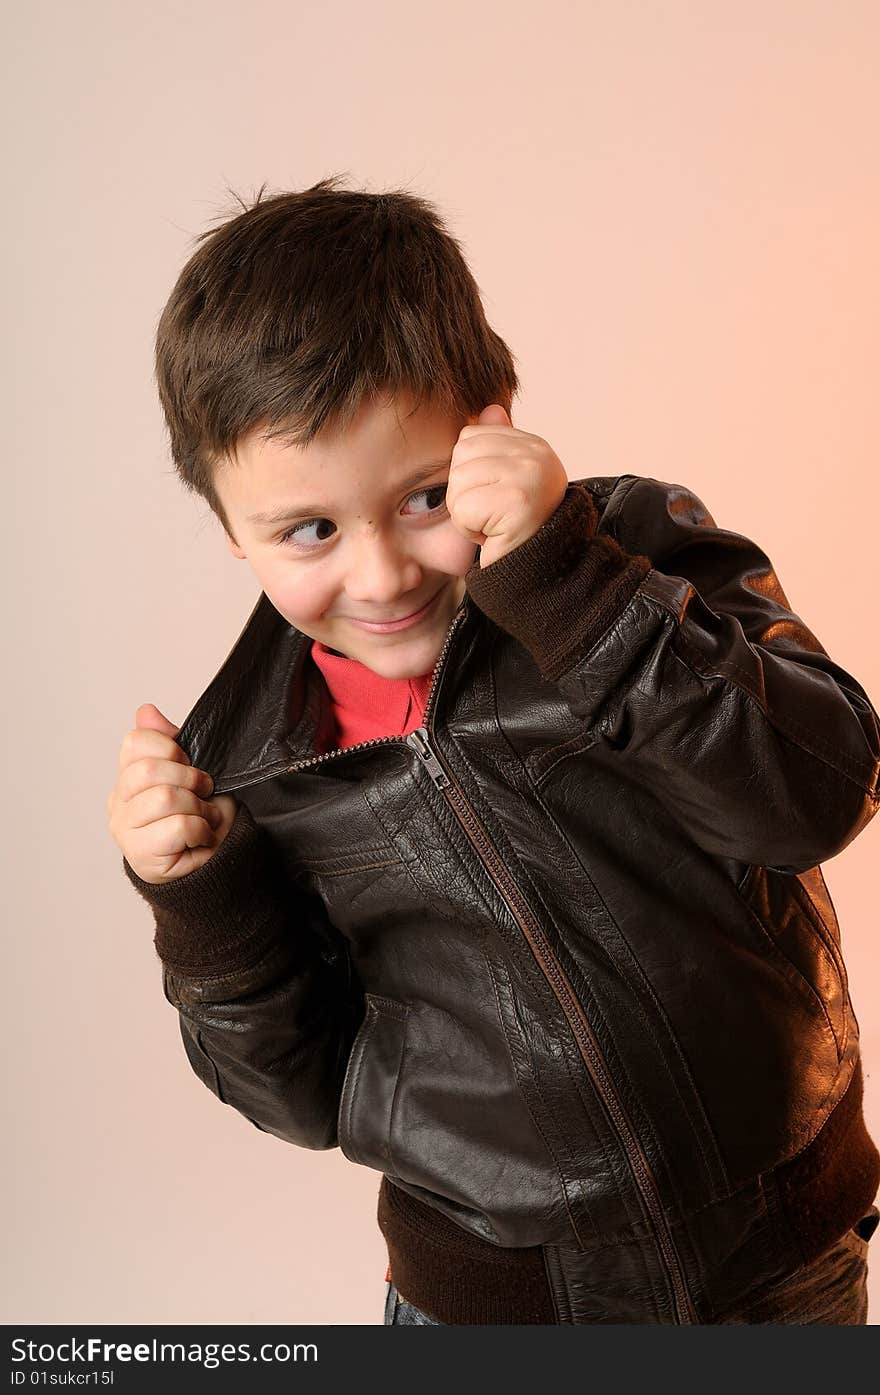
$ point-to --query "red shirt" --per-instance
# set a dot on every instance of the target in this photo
(366, 705)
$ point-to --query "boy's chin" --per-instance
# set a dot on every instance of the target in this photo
(417, 660)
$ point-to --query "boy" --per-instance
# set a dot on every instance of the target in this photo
(510, 884)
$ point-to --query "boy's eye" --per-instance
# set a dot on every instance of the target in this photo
(298, 529)
(435, 489)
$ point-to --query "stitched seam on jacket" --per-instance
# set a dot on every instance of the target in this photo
(812, 913)
(562, 1174)
(404, 1018)
(612, 529)
(822, 1121)
(326, 868)
(369, 1025)
(826, 934)
(815, 995)
(809, 742)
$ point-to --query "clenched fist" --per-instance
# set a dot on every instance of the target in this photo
(160, 811)
(503, 484)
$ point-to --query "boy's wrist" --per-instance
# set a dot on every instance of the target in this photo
(560, 589)
(224, 917)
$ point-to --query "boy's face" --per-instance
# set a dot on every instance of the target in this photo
(371, 542)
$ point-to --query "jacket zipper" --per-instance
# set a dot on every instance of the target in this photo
(419, 741)
(587, 1044)
(377, 740)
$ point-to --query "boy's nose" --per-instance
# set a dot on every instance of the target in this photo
(381, 574)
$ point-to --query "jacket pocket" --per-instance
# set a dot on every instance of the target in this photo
(366, 1104)
(783, 908)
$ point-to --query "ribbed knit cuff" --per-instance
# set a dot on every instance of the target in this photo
(228, 914)
(562, 588)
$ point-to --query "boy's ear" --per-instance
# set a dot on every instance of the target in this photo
(234, 547)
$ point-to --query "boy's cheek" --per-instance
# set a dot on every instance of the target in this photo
(459, 554)
(301, 606)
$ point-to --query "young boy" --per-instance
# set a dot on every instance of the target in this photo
(510, 883)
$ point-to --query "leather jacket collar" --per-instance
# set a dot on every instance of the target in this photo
(268, 705)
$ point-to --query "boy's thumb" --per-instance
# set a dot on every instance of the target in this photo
(494, 415)
(149, 716)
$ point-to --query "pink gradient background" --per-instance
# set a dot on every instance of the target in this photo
(673, 212)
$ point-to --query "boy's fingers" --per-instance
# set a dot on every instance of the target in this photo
(149, 716)
(168, 801)
(169, 836)
(153, 770)
(146, 741)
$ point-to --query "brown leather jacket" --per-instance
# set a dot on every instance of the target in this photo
(562, 964)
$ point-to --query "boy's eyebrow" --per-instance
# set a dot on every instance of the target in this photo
(275, 517)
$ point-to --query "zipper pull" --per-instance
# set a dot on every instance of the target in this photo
(418, 739)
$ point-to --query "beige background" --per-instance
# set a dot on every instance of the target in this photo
(673, 212)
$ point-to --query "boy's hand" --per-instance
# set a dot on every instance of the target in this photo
(159, 810)
(503, 484)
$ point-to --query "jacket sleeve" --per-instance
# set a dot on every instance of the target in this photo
(673, 641)
(266, 1003)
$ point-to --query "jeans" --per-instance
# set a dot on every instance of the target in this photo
(398, 1312)
(832, 1290)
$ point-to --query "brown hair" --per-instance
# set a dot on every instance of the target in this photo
(292, 313)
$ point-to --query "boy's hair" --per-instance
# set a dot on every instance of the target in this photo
(294, 312)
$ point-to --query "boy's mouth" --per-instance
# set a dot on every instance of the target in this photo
(389, 626)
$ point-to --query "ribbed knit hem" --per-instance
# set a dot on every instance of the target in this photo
(559, 591)
(458, 1278)
(225, 917)
(455, 1276)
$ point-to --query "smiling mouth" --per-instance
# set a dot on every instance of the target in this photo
(387, 626)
